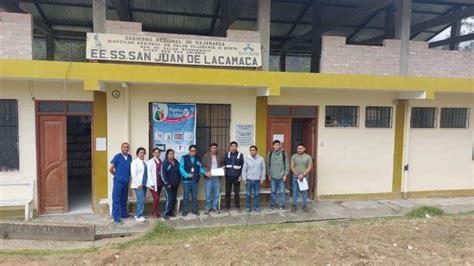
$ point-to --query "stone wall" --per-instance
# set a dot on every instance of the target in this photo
(339, 58)
(16, 36)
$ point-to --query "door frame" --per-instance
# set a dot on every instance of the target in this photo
(38, 114)
(316, 134)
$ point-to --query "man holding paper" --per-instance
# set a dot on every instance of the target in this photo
(301, 165)
(213, 163)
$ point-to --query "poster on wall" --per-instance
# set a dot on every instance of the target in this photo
(174, 127)
(244, 134)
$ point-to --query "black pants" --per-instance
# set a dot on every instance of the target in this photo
(229, 182)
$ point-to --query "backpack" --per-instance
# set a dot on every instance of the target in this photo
(283, 154)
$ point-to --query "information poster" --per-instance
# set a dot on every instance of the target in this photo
(174, 127)
(244, 134)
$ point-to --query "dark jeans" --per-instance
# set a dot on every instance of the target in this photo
(170, 200)
(229, 182)
(190, 188)
(119, 200)
(252, 187)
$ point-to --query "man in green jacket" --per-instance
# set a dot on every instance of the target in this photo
(277, 170)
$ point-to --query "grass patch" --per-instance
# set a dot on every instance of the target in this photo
(420, 212)
(46, 252)
(165, 235)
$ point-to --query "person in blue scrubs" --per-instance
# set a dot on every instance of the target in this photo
(191, 169)
(120, 169)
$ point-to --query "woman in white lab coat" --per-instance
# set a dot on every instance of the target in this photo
(154, 182)
(139, 174)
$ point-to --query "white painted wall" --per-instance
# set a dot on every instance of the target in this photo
(441, 158)
(19, 90)
(242, 101)
(350, 160)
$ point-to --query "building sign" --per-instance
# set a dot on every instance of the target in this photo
(177, 51)
(174, 127)
(244, 134)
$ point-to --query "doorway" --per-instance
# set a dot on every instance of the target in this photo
(64, 154)
(293, 125)
(79, 170)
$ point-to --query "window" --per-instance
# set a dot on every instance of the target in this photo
(454, 118)
(423, 117)
(279, 111)
(9, 157)
(376, 116)
(342, 116)
(212, 125)
(51, 107)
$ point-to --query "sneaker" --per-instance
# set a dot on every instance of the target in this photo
(140, 219)
(293, 209)
(166, 217)
(257, 210)
(283, 209)
(196, 213)
(305, 209)
(118, 222)
(218, 211)
(185, 214)
(272, 208)
(208, 211)
(247, 209)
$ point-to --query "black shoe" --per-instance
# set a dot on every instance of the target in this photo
(208, 211)
(185, 214)
(305, 209)
(293, 209)
(172, 215)
(166, 217)
(196, 213)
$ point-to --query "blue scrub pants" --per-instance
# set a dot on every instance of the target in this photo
(119, 200)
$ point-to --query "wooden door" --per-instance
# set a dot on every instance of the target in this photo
(309, 139)
(52, 158)
(279, 128)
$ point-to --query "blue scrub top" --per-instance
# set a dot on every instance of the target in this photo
(122, 167)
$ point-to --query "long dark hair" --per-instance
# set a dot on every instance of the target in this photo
(168, 152)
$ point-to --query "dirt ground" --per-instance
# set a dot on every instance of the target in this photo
(435, 241)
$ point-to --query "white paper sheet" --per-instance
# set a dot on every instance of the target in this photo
(303, 184)
(217, 172)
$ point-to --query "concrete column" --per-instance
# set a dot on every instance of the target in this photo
(263, 26)
(455, 31)
(402, 32)
(50, 47)
(99, 14)
(282, 61)
(316, 37)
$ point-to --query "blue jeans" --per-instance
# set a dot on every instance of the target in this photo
(190, 187)
(296, 189)
(140, 194)
(280, 185)
(213, 189)
(252, 187)
(119, 200)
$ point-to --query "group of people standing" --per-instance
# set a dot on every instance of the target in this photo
(154, 174)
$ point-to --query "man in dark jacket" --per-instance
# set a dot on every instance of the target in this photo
(233, 162)
(191, 169)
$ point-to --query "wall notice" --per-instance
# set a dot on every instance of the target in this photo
(244, 134)
(177, 51)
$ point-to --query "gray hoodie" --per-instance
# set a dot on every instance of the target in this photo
(254, 168)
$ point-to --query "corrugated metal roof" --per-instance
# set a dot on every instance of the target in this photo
(197, 16)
